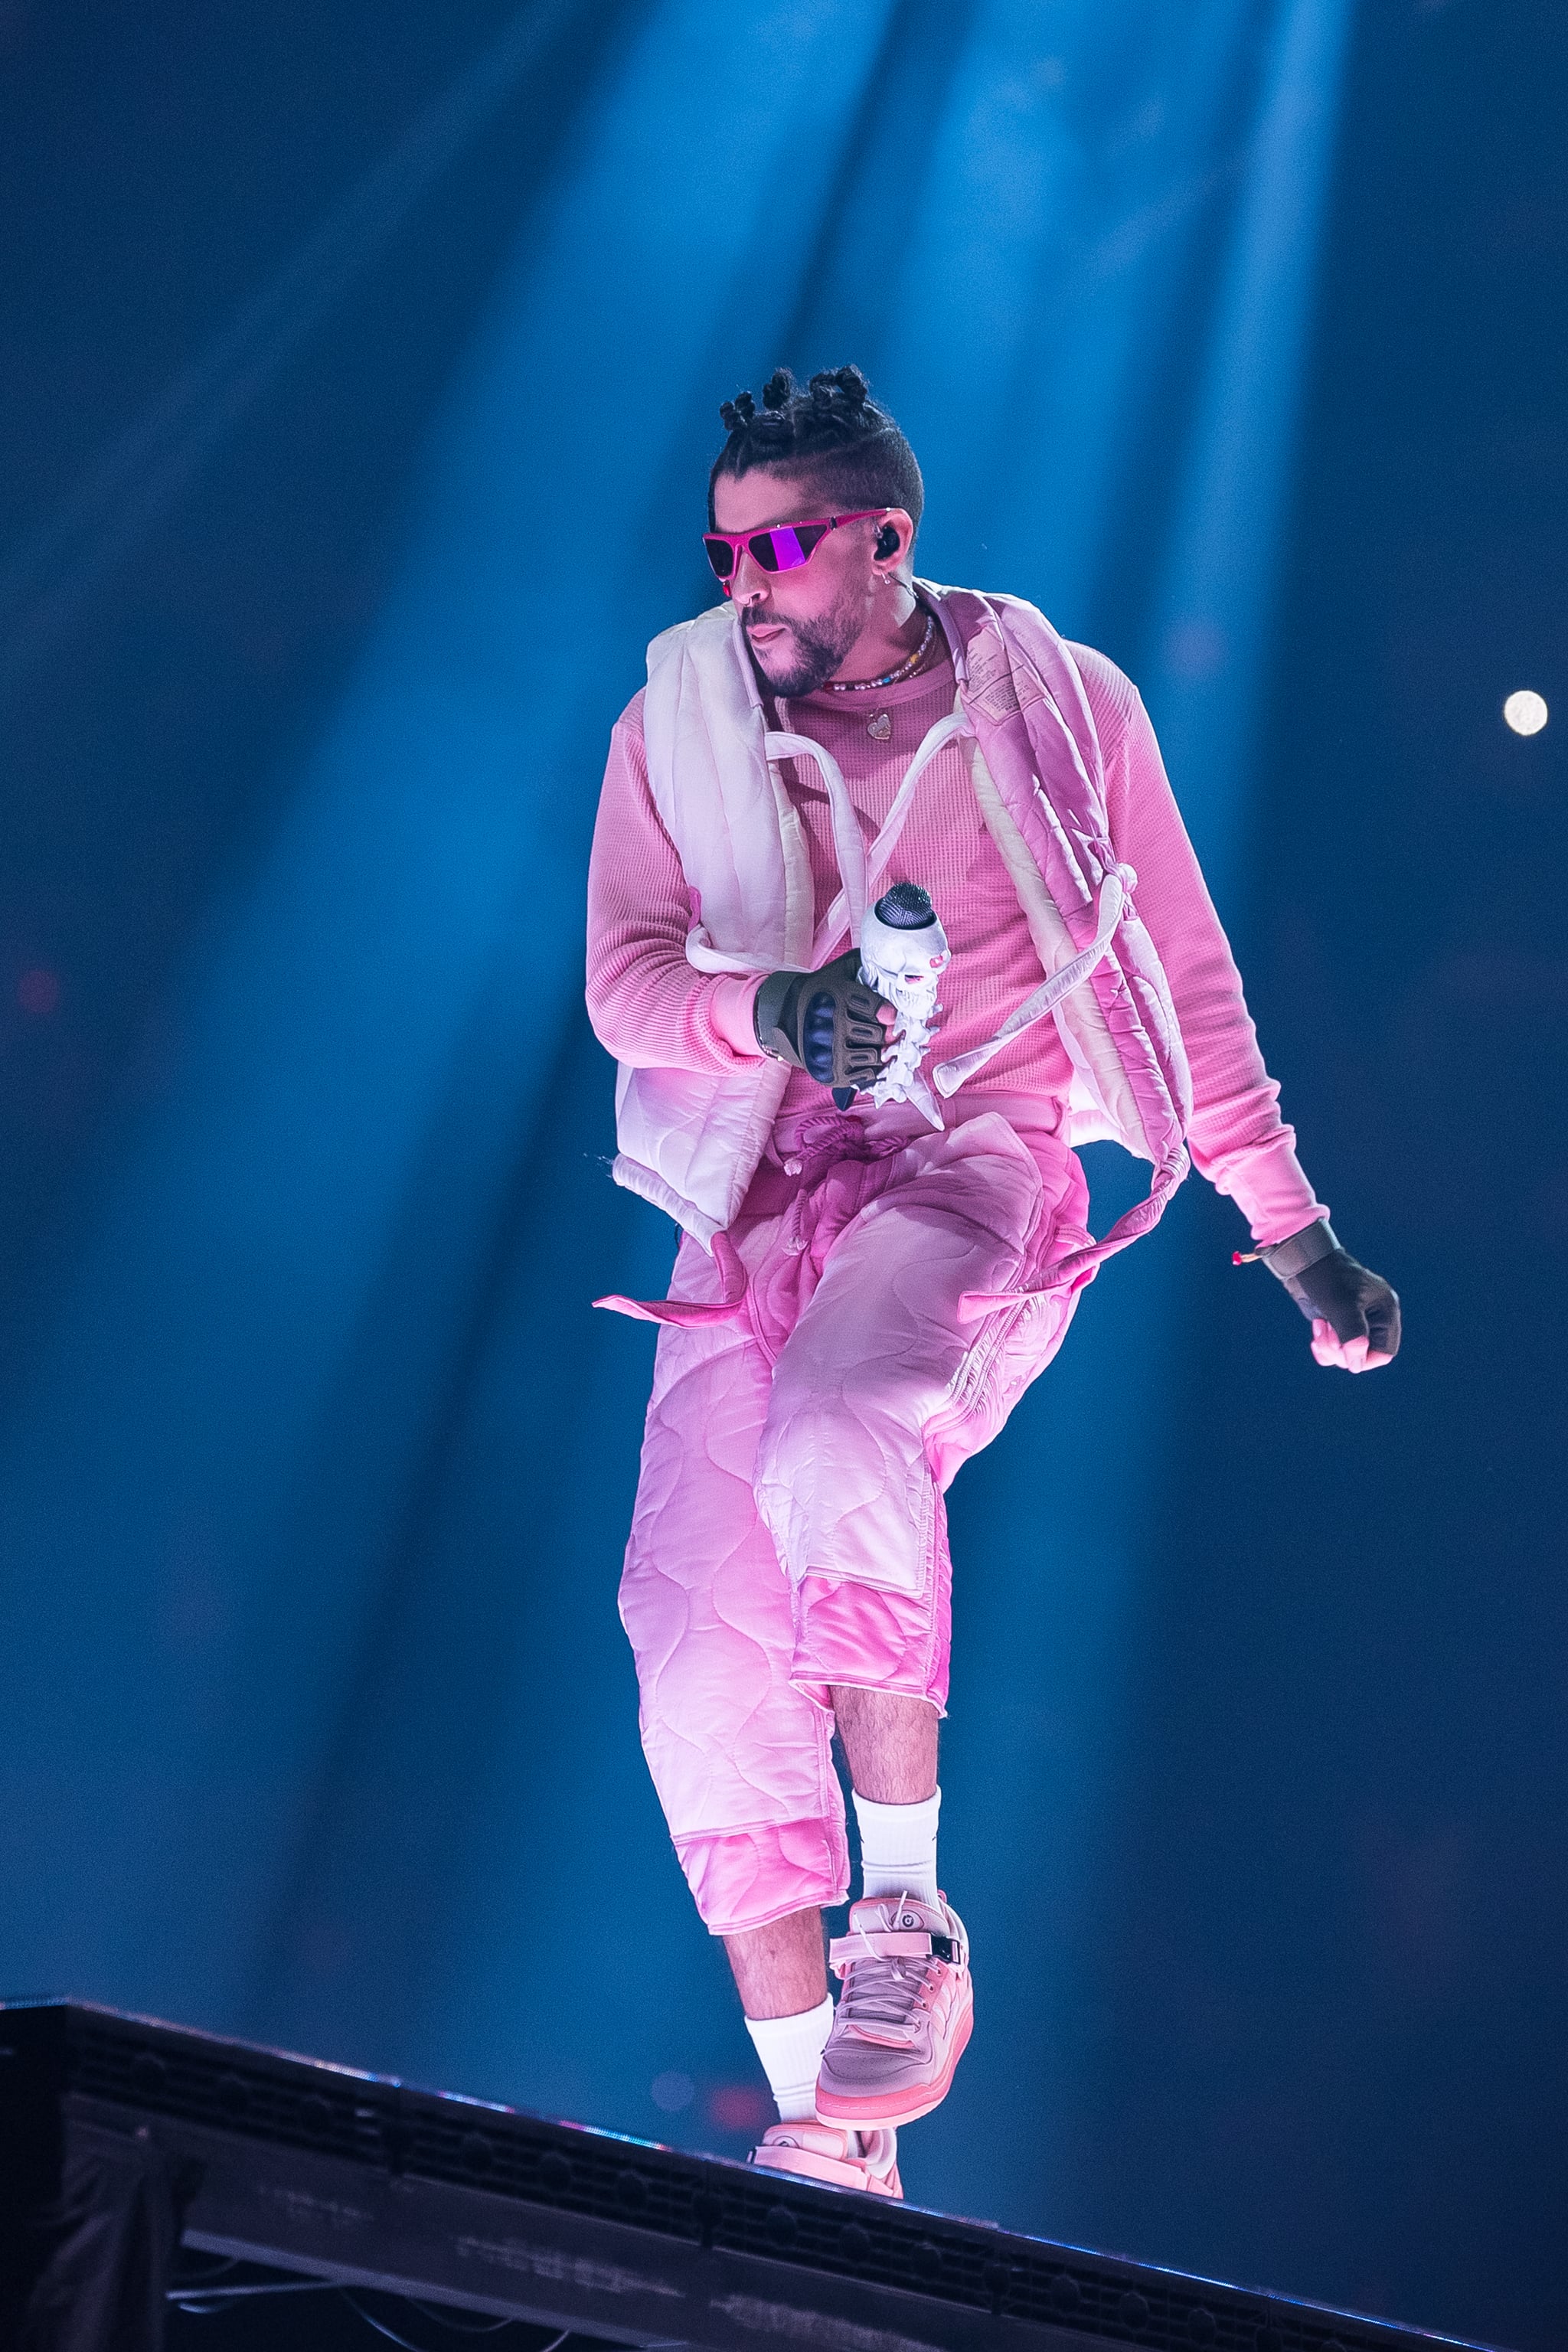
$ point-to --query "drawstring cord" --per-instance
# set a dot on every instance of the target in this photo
(822, 1139)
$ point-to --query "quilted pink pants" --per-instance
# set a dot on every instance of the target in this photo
(790, 1531)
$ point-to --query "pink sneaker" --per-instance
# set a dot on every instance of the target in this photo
(848, 2159)
(904, 2015)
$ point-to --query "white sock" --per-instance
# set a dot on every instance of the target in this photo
(790, 2050)
(898, 1847)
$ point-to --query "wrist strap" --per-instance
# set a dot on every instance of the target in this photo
(1288, 1258)
(767, 1014)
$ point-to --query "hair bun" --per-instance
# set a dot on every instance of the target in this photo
(826, 431)
(830, 386)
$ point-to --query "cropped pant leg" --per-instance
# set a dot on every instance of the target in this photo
(885, 1387)
(790, 1531)
(740, 1759)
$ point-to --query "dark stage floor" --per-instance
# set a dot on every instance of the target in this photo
(252, 2199)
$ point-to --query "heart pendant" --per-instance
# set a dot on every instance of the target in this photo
(879, 728)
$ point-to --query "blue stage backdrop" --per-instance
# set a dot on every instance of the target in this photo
(368, 370)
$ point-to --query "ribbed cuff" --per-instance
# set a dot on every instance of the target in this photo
(728, 1007)
(1270, 1189)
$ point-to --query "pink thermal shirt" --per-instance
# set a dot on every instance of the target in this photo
(651, 1008)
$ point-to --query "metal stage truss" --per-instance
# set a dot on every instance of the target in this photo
(323, 2173)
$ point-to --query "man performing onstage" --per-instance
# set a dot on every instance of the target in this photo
(880, 1250)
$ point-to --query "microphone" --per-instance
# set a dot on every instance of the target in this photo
(903, 954)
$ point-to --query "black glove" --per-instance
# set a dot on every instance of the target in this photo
(1328, 1285)
(826, 1023)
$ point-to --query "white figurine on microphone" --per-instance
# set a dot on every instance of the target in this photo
(903, 954)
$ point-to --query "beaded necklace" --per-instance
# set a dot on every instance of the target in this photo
(906, 668)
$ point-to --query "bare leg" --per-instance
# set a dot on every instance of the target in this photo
(890, 1744)
(780, 1969)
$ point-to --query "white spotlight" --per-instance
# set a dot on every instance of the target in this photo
(1526, 712)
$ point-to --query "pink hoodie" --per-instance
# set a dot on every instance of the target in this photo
(652, 1009)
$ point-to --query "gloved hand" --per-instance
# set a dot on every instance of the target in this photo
(1353, 1312)
(826, 1023)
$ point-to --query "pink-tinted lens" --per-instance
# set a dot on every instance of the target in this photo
(787, 546)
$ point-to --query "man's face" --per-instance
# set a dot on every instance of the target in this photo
(800, 624)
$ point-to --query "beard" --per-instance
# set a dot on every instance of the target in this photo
(812, 650)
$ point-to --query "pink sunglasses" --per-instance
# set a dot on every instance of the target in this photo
(785, 548)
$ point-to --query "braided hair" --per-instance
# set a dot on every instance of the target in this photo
(831, 432)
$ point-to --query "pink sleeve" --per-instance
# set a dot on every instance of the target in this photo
(1237, 1139)
(647, 1005)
